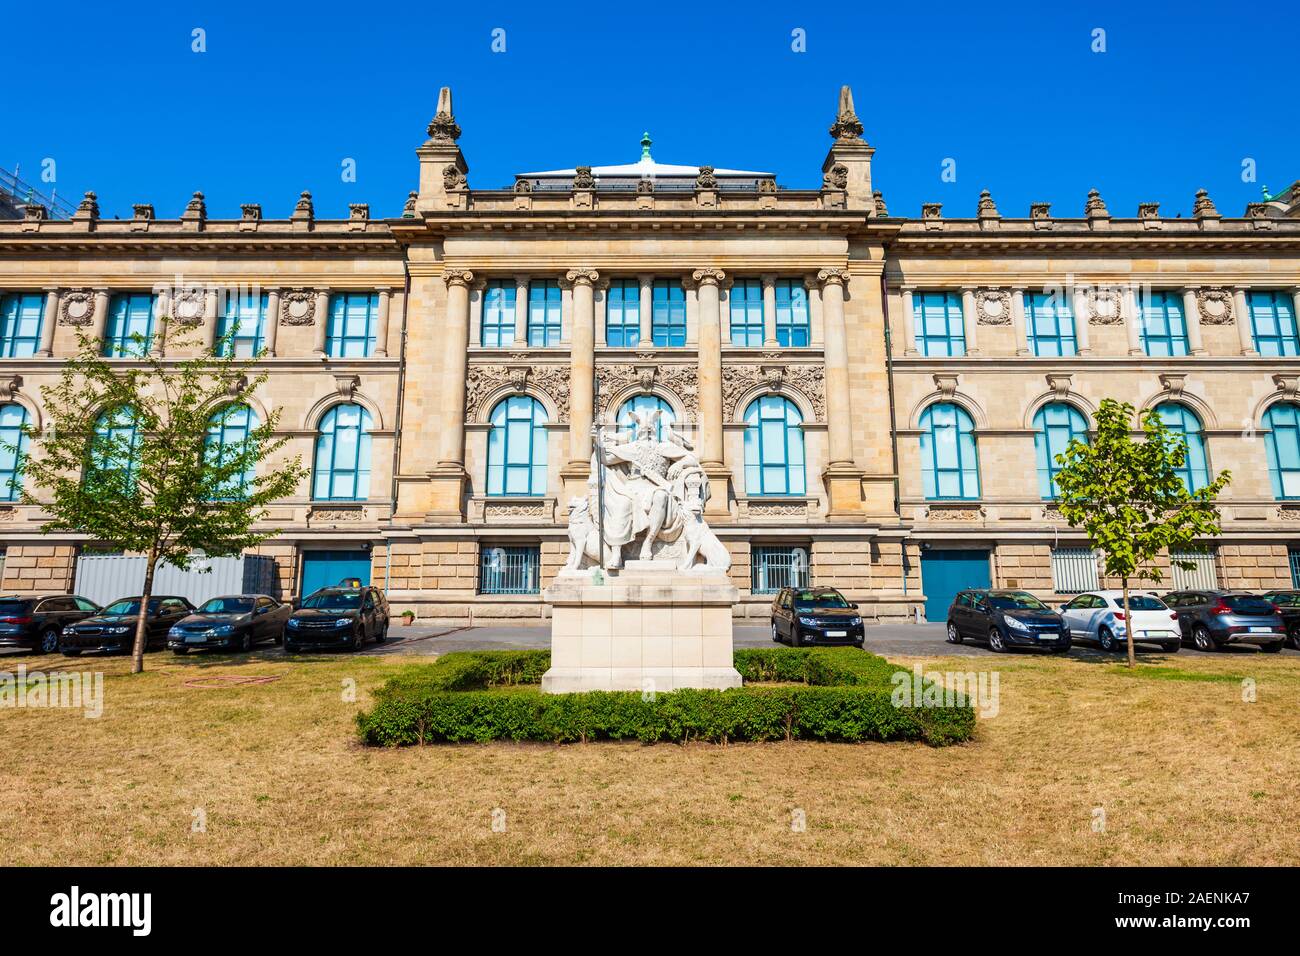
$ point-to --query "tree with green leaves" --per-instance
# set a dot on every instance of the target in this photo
(1128, 493)
(158, 456)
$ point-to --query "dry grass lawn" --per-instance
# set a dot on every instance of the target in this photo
(1185, 771)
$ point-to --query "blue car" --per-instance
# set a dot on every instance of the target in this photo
(1005, 619)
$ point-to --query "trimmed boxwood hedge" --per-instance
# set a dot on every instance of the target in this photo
(843, 694)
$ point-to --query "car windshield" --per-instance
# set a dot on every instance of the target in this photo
(129, 606)
(1017, 601)
(11, 608)
(816, 599)
(333, 601)
(227, 605)
(1140, 602)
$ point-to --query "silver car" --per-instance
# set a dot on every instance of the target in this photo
(1098, 617)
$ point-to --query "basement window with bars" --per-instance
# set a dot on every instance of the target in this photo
(774, 568)
(510, 569)
(1074, 570)
(1202, 574)
(1293, 557)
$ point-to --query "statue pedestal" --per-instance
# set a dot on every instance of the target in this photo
(647, 627)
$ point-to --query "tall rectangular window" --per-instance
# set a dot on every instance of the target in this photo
(497, 323)
(747, 312)
(772, 569)
(1164, 327)
(129, 314)
(510, 569)
(668, 313)
(793, 330)
(1049, 323)
(351, 329)
(1272, 322)
(244, 321)
(938, 323)
(543, 313)
(623, 314)
(20, 324)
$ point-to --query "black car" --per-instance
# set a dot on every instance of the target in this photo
(234, 623)
(1213, 618)
(113, 629)
(803, 616)
(1288, 604)
(35, 620)
(1005, 619)
(337, 617)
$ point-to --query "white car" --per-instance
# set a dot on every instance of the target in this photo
(1098, 616)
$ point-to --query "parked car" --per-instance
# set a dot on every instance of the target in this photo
(1213, 619)
(113, 629)
(1288, 604)
(1098, 617)
(1004, 619)
(36, 620)
(234, 622)
(803, 616)
(337, 617)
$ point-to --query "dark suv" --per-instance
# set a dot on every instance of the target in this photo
(36, 620)
(113, 629)
(815, 616)
(1288, 603)
(1213, 619)
(337, 617)
(1006, 619)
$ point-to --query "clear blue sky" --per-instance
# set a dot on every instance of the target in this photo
(1183, 94)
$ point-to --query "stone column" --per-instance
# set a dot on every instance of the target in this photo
(582, 361)
(1018, 320)
(839, 426)
(451, 432)
(908, 319)
(162, 310)
(209, 335)
(381, 323)
(48, 322)
(709, 366)
(521, 311)
(646, 306)
(769, 312)
(1082, 331)
(1132, 321)
(322, 317)
(272, 320)
(1244, 335)
(970, 321)
(99, 321)
(1192, 317)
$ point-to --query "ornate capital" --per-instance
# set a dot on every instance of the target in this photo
(834, 276)
(708, 276)
(462, 277)
(582, 276)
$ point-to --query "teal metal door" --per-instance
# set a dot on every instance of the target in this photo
(944, 573)
(321, 569)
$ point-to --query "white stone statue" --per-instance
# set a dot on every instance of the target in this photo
(655, 491)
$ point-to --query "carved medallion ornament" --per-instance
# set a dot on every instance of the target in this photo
(1215, 306)
(297, 307)
(993, 306)
(1104, 307)
(77, 308)
(807, 380)
(484, 381)
(187, 306)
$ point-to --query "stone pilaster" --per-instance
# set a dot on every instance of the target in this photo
(447, 481)
(769, 312)
(843, 479)
(646, 309)
(521, 310)
(708, 445)
(582, 368)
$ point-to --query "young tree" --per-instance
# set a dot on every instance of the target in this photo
(158, 456)
(1129, 496)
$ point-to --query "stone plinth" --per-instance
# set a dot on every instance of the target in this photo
(647, 627)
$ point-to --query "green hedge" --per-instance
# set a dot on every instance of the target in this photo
(483, 695)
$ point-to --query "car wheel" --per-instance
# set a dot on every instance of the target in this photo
(954, 635)
(1204, 640)
(382, 635)
(49, 641)
(357, 637)
(1106, 639)
(246, 642)
(776, 635)
(996, 644)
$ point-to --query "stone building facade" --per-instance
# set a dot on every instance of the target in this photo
(871, 396)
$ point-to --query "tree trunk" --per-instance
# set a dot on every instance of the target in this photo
(1128, 625)
(141, 622)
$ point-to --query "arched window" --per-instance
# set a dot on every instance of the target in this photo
(1183, 421)
(227, 432)
(343, 455)
(517, 447)
(774, 460)
(1282, 440)
(645, 403)
(949, 462)
(1054, 426)
(117, 443)
(13, 449)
